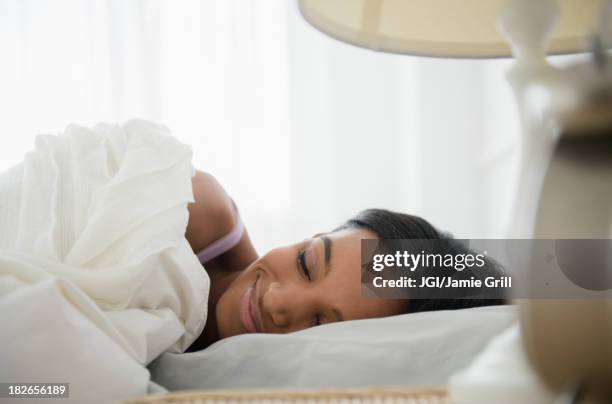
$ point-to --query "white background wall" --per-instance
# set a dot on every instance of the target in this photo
(302, 130)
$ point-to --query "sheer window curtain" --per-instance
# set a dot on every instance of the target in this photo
(303, 131)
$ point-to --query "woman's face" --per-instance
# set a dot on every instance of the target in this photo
(316, 281)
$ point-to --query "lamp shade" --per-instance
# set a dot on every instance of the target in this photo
(441, 28)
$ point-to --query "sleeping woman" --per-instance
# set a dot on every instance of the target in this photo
(98, 230)
(305, 284)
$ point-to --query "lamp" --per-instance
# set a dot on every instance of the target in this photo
(443, 28)
(528, 30)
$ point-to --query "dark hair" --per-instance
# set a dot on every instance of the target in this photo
(389, 226)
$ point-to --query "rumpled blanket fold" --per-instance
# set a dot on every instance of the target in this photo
(96, 276)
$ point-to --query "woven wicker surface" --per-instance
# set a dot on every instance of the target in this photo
(352, 396)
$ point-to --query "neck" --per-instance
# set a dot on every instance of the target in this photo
(222, 273)
(220, 280)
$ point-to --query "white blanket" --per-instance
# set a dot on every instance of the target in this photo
(96, 276)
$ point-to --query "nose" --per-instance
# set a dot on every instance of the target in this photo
(282, 304)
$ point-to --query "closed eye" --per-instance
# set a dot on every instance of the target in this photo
(303, 268)
(301, 260)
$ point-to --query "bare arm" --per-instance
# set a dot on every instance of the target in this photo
(211, 217)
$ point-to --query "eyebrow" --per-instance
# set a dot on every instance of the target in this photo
(327, 244)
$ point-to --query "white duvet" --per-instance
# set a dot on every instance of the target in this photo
(96, 276)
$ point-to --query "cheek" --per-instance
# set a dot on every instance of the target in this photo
(276, 266)
(355, 306)
(388, 307)
(360, 310)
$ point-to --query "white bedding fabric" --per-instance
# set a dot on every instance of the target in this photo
(96, 276)
(420, 349)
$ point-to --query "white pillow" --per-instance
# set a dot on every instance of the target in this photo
(420, 349)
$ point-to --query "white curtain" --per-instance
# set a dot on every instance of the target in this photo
(302, 130)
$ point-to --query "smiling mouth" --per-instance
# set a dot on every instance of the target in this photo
(254, 308)
(248, 310)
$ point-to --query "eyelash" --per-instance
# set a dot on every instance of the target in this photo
(301, 259)
(302, 265)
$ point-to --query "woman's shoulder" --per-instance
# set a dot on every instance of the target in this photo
(211, 215)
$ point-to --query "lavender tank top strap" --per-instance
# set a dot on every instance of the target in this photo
(225, 243)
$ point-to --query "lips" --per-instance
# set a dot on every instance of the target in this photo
(246, 310)
(255, 308)
(249, 310)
